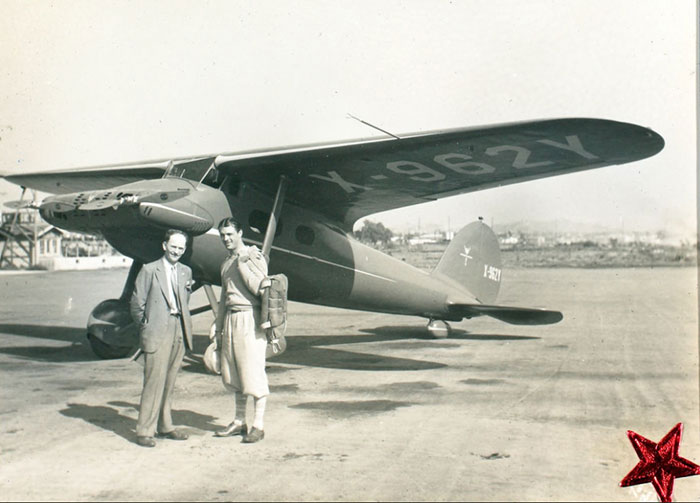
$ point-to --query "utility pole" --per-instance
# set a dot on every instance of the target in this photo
(35, 248)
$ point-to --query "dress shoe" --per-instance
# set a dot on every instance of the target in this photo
(175, 435)
(253, 436)
(145, 441)
(232, 429)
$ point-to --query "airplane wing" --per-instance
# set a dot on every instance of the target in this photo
(347, 181)
(86, 179)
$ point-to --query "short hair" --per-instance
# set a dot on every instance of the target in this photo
(171, 232)
(230, 222)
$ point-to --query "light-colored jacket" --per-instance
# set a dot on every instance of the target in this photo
(149, 303)
(241, 277)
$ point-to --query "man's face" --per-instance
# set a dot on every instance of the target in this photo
(175, 247)
(231, 237)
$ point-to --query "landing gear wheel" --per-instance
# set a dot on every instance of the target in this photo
(111, 331)
(439, 329)
(107, 352)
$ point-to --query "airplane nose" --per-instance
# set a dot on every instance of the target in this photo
(188, 216)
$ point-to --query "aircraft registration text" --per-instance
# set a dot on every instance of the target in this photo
(463, 164)
(492, 273)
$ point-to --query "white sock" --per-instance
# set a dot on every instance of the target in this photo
(259, 412)
(239, 401)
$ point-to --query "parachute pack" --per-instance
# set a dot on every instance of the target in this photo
(273, 311)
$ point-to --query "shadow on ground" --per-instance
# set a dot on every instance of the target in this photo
(349, 360)
(343, 409)
(306, 349)
(69, 334)
(111, 417)
(420, 333)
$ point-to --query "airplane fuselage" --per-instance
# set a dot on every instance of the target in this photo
(324, 263)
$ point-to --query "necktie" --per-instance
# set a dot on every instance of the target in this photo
(173, 284)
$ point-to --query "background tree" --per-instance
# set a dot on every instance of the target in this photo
(374, 233)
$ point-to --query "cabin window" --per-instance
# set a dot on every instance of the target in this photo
(199, 170)
(213, 177)
(305, 235)
(234, 187)
(257, 221)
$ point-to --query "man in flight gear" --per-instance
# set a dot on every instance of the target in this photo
(238, 333)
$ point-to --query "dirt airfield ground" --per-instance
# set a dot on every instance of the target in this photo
(365, 406)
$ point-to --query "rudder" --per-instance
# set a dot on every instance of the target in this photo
(473, 259)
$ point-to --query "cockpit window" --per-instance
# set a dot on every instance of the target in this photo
(200, 171)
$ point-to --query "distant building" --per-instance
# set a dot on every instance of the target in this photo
(26, 241)
(423, 239)
(509, 240)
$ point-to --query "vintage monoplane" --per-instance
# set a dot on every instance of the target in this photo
(307, 198)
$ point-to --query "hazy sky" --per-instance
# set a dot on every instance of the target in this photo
(86, 83)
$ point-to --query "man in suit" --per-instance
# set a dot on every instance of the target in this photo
(159, 306)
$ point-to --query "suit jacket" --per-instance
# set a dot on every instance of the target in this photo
(150, 307)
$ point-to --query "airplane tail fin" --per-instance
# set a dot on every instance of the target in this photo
(473, 259)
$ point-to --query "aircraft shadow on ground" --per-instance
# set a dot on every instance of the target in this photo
(110, 417)
(75, 352)
(412, 332)
(78, 351)
(305, 350)
(302, 350)
(348, 360)
(68, 334)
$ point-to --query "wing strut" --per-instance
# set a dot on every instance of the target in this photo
(211, 297)
(274, 218)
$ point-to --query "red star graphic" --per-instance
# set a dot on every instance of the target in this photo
(659, 463)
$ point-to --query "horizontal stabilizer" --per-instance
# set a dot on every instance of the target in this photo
(512, 315)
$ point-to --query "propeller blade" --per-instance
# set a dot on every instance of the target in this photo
(20, 205)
